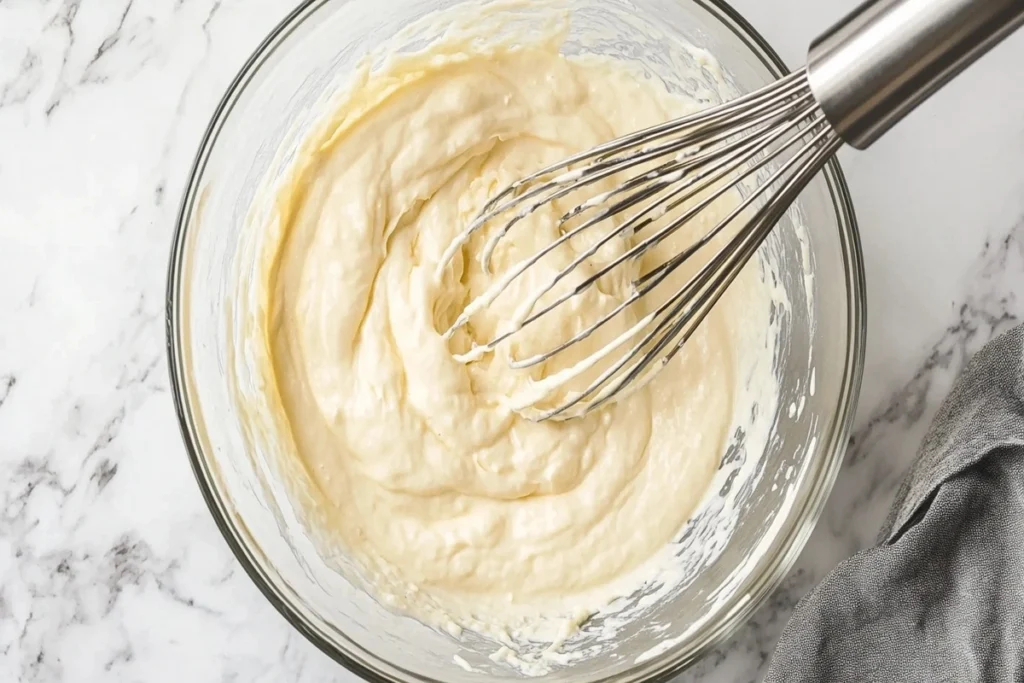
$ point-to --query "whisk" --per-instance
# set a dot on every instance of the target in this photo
(862, 76)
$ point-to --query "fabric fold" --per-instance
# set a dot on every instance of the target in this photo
(941, 597)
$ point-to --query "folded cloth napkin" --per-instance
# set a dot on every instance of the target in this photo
(941, 597)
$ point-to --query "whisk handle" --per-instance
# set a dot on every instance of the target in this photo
(888, 56)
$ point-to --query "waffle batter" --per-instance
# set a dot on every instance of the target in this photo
(460, 510)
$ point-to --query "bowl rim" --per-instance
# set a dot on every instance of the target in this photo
(750, 593)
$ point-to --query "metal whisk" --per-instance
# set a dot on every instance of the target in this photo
(862, 76)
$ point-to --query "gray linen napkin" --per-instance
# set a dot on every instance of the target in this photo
(941, 597)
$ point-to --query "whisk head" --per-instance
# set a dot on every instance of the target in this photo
(636, 193)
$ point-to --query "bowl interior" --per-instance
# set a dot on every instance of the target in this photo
(253, 137)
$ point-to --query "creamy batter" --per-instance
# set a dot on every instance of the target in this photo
(459, 508)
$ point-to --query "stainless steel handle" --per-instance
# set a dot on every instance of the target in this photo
(888, 56)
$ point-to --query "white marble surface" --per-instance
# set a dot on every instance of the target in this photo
(110, 566)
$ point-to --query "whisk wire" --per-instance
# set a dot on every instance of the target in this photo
(713, 152)
(708, 285)
(707, 119)
(605, 167)
(696, 183)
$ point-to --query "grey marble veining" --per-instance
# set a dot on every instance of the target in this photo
(110, 566)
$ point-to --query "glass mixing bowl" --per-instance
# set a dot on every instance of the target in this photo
(253, 135)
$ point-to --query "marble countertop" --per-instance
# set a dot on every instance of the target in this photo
(110, 565)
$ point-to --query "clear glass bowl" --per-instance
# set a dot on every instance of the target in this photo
(253, 135)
